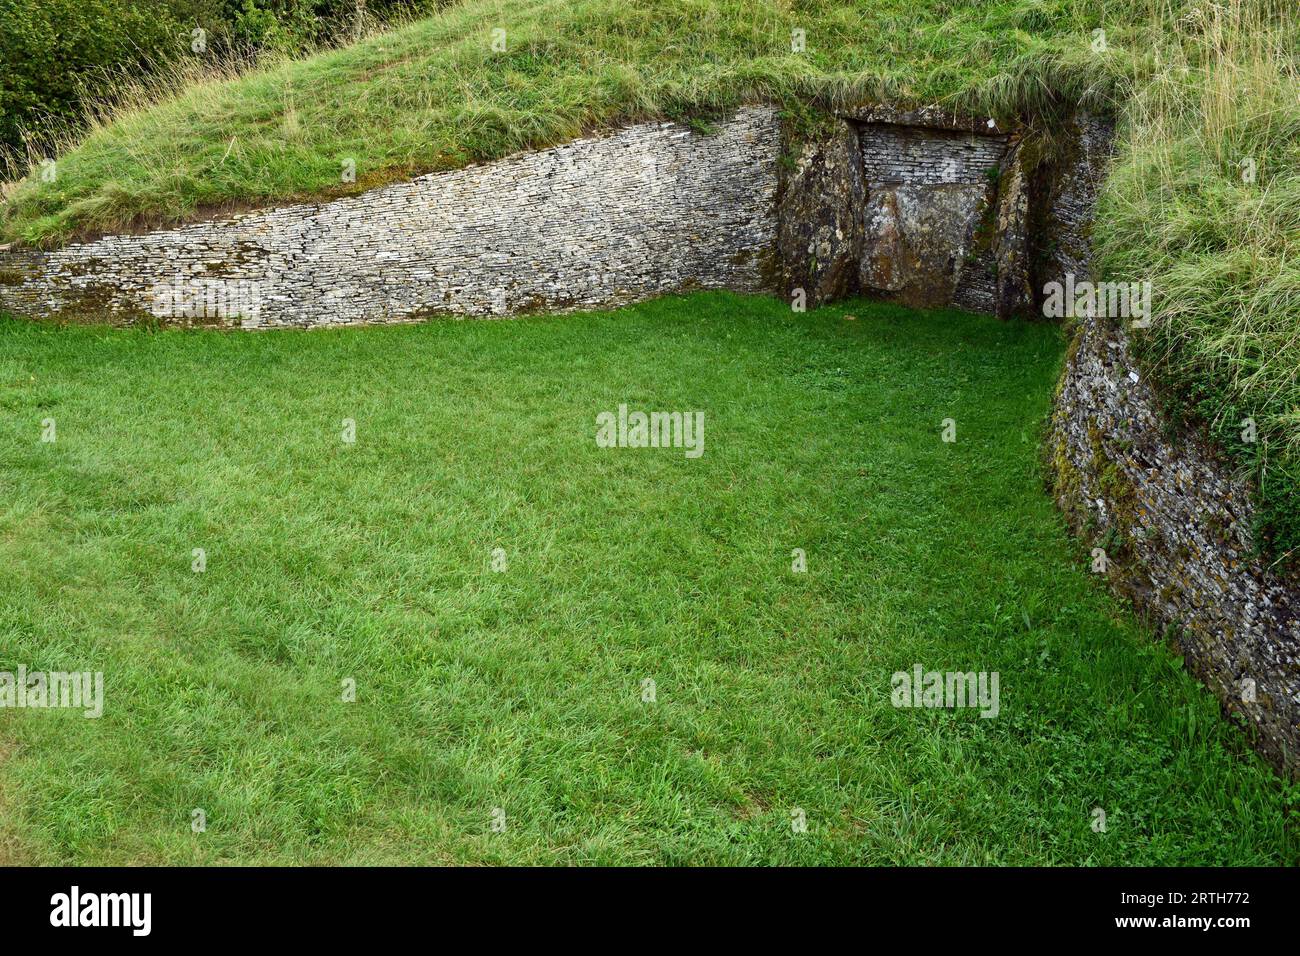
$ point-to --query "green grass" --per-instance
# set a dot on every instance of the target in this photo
(522, 689)
(1220, 245)
(1198, 88)
(434, 95)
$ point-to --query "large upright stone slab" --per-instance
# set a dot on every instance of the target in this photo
(819, 219)
(916, 239)
(928, 221)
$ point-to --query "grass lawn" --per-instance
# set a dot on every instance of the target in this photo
(1203, 198)
(522, 689)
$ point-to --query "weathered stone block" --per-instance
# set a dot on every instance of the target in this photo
(819, 232)
(928, 221)
(1013, 294)
(916, 240)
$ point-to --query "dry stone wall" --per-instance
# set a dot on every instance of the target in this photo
(894, 154)
(652, 209)
(1066, 190)
(902, 205)
(1173, 529)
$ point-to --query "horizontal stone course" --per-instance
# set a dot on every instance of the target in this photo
(912, 155)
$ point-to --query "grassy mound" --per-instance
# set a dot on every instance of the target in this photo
(1200, 88)
(522, 689)
(434, 94)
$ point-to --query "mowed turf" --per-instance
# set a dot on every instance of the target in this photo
(522, 690)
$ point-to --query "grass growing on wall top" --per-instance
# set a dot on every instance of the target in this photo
(434, 95)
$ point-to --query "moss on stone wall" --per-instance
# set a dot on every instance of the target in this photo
(1176, 531)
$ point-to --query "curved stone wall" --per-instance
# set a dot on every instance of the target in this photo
(1171, 529)
(1165, 521)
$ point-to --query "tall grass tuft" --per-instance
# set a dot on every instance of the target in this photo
(1204, 200)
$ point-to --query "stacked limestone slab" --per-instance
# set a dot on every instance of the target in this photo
(603, 221)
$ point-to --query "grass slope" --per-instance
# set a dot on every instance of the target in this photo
(522, 689)
(433, 94)
(1204, 202)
